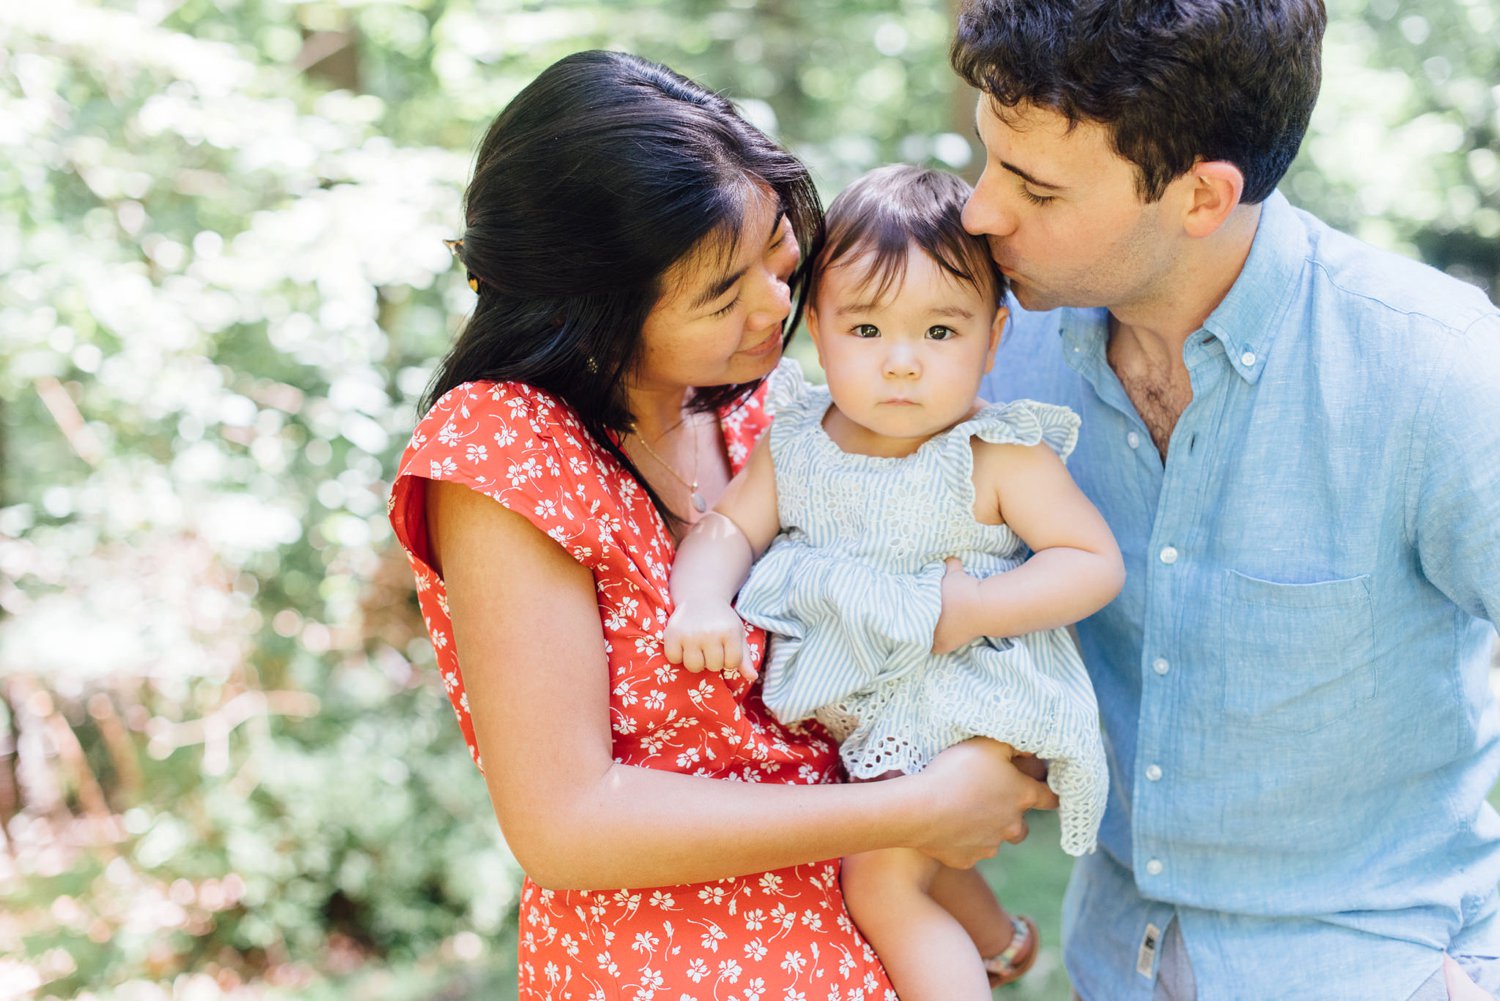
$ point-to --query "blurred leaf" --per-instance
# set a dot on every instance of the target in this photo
(225, 768)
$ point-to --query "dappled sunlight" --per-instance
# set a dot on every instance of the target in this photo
(227, 768)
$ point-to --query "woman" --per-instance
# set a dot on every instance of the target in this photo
(634, 245)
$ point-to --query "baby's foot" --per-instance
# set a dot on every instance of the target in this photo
(1012, 962)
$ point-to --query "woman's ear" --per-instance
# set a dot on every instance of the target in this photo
(1002, 317)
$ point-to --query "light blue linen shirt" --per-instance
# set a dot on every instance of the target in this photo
(1293, 682)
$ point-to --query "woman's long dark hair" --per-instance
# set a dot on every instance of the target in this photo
(600, 175)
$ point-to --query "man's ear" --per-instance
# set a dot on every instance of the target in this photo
(1002, 317)
(1213, 191)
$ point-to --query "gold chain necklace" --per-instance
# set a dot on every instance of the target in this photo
(694, 497)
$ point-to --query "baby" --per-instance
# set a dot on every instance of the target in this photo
(919, 557)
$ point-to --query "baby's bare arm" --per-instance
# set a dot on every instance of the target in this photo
(712, 561)
(1075, 568)
(538, 682)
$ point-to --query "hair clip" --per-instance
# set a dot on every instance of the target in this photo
(456, 247)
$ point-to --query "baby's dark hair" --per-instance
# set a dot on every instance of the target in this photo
(891, 208)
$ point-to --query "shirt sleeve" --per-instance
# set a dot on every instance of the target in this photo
(1455, 505)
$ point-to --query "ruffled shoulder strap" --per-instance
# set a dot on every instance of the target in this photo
(796, 405)
(789, 393)
(1026, 422)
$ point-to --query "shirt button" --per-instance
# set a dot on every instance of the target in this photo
(1153, 773)
(1160, 665)
(1133, 440)
(1154, 867)
(1247, 359)
(1168, 555)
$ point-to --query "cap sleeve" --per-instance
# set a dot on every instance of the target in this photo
(1027, 422)
(742, 424)
(513, 443)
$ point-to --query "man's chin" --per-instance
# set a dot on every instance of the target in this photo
(1031, 299)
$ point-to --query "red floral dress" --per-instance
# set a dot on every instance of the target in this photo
(774, 936)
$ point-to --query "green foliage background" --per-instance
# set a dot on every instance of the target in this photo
(225, 770)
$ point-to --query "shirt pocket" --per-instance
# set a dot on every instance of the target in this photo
(1297, 657)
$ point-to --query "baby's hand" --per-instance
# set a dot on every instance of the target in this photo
(707, 636)
(960, 593)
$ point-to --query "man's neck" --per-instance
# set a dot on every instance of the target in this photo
(1157, 326)
(1146, 339)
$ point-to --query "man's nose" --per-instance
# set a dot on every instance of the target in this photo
(986, 213)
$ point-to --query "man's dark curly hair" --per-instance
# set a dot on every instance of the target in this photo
(1174, 81)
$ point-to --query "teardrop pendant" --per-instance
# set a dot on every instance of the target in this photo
(699, 504)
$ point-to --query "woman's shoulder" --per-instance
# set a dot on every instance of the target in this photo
(504, 402)
(742, 423)
(490, 421)
(526, 449)
(510, 441)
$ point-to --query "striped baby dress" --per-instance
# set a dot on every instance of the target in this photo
(851, 588)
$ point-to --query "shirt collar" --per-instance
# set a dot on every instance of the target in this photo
(1085, 335)
(1246, 322)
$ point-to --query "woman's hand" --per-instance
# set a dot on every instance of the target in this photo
(979, 798)
(529, 634)
(705, 634)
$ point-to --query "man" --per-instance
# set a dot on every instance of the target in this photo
(1296, 439)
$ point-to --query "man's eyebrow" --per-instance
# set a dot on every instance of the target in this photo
(727, 282)
(1037, 182)
(1018, 171)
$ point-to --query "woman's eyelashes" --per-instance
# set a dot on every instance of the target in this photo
(783, 274)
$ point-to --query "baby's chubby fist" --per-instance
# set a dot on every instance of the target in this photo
(707, 636)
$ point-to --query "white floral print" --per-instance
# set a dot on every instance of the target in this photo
(752, 938)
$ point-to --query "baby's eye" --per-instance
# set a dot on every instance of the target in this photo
(941, 333)
(866, 330)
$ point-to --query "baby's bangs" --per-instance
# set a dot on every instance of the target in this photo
(880, 252)
(892, 209)
(877, 266)
(967, 258)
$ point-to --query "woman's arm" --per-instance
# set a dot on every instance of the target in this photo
(1075, 568)
(526, 624)
(704, 633)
